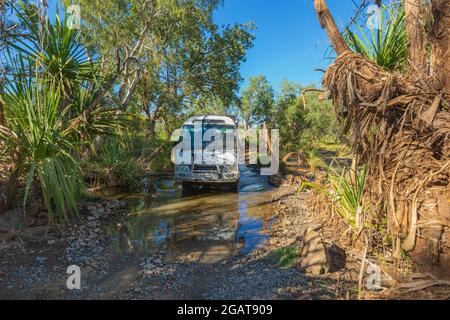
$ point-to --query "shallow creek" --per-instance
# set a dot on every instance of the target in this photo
(209, 224)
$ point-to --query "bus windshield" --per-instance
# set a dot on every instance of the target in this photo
(225, 130)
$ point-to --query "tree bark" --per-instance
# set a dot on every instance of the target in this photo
(416, 37)
(327, 22)
(2, 116)
(9, 195)
(151, 127)
(440, 41)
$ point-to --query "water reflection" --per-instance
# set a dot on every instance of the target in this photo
(167, 220)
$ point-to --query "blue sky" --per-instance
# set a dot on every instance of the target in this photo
(289, 43)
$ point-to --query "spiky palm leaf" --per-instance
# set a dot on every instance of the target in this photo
(32, 114)
(49, 110)
(387, 44)
(60, 53)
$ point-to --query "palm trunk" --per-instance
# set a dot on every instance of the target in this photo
(353, 83)
(2, 117)
(440, 41)
(416, 39)
(8, 197)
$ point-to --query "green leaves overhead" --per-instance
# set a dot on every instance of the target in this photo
(184, 55)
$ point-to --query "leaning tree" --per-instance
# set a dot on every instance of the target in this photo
(400, 125)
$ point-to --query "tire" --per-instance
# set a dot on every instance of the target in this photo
(186, 185)
(186, 189)
(233, 186)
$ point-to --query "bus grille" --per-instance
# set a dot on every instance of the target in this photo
(204, 168)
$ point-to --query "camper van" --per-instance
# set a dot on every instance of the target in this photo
(204, 165)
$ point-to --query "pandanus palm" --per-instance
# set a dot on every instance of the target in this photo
(46, 151)
(385, 43)
(60, 53)
(51, 111)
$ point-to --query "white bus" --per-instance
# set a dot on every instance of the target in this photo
(203, 164)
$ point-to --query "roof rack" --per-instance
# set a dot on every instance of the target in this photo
(199, 117)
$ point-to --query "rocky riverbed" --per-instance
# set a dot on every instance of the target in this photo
(35, 266)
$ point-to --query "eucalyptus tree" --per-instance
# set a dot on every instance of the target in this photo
(175, 52)
(257, 102)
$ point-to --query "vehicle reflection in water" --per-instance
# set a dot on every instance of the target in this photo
(203, 221)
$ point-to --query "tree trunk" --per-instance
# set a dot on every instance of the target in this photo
(432, 252)
(9, 195)
(440, 41)
(151, 127)
(327, 22)
(152, 117)
(416, 38)
(2, 117)
(355, 83)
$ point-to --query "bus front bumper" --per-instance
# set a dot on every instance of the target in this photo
(208, 177)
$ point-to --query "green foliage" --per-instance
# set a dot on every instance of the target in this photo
(187, 57)
(387, 45)
(257, 102)
(49, 116)
(319, 120)
(287, 256)
(32, 113)
(349, 191)
(315, 161)
(206, 105)
(115, 165)
(57, 52)
(300, 127)
(347, 195)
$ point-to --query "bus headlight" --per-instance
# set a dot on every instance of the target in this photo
(229, 169)
(183, 168)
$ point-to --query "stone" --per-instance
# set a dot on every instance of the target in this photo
(7, 235)
(40, 259)
(150, 266)
(313, 257)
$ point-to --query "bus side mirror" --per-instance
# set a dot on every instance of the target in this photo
(176, 137)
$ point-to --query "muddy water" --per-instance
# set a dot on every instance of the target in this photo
(208, 225)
